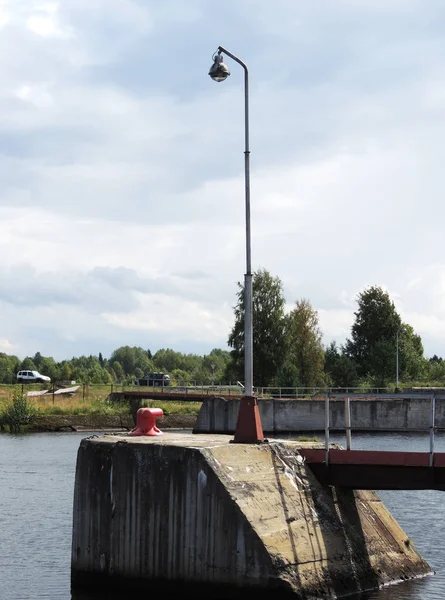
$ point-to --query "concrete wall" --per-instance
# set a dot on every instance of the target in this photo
(176, 514)
(158, 512)
(279, 416)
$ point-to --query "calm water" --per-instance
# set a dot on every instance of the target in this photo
(36, 493)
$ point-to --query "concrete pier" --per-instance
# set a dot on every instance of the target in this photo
(183, 512)
(218, 415)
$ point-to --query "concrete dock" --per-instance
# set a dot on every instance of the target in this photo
(185, 512)
(219, 415)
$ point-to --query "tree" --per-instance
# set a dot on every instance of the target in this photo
(28, 365)
(382, 362)
(412, 364)
(65, 371)
(214, 364)
(304, 362)
(181, 377)
(48, 366)
(168, 360)
(131, 358)
(117, 370)
(9, 366)
(38, 360)
(340, 369)
(373, 346)
(434, 369)
(268, 329)
(376, 321)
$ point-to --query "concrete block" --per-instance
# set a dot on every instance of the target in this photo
(185, 512)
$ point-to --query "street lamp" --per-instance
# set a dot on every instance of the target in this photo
(248, 428)
(399, 330)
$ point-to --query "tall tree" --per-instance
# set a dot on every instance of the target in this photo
(378, 336)
(376, 321)
(304, 363)
(340, 369)
(131, 358)
(268, 329)
(28, 364)
(9, 365)
(412, 364)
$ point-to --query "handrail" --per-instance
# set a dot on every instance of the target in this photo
(348, 427)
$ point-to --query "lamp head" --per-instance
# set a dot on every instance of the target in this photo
(219, 71)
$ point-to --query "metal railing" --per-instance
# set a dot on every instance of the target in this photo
(348, 424)
(314, 392)
(185, 388)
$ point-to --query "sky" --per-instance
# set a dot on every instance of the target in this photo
(122, 206)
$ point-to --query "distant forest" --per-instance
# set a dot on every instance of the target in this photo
(381, 351)
(125, 365)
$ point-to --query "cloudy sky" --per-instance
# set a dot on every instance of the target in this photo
(122, 169)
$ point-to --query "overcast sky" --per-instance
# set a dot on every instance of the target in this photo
(122, 214)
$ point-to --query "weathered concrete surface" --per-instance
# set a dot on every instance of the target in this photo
(218, 415)
(185, 512)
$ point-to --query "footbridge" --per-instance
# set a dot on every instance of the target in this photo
(378, 469)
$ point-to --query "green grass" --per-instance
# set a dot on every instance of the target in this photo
(88, 405)
(173, 408)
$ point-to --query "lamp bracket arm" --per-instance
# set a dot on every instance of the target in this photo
(232, 56)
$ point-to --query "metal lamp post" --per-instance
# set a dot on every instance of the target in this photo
(399, 329)
(248, 427)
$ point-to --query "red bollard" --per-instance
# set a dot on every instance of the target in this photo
(146, 422)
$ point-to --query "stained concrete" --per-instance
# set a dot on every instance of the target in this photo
(184, 512)
(219, 415)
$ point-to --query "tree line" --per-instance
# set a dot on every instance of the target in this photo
(288, 349)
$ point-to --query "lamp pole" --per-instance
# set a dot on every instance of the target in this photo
(399, 329)
(249, 424)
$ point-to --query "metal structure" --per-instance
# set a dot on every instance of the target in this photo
(402, 330)
(249, 427)
(383, 470)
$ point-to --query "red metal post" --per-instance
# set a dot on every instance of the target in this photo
(248, 427)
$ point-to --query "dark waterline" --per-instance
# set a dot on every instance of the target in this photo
(36, 493)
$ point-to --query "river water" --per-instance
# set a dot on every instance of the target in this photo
(36, 494)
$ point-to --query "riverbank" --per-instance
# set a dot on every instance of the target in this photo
(122, 422)
(21, 413)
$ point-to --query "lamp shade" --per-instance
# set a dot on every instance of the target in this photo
(219, 71)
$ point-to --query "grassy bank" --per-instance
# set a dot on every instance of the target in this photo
(20, 412)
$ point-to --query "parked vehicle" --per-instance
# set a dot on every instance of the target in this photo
(32, 377)
(155, 379)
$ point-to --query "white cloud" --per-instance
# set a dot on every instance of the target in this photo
(6, 346)
(122, 216)
(45, 21)
(174, 318)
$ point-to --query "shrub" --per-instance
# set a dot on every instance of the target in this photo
(19, 413)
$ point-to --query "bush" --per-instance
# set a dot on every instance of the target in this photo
(19, 413)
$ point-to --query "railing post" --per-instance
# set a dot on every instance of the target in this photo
(348, 423)
(326, 429)
(432, 422)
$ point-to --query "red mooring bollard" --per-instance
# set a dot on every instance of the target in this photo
(146, 422)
